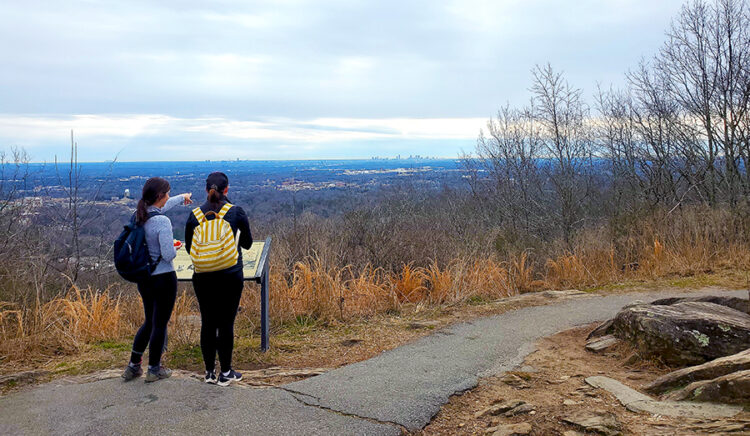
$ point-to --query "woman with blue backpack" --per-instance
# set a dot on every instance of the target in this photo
(212, 241)
(158, 286)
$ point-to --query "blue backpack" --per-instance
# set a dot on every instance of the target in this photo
(132, 260)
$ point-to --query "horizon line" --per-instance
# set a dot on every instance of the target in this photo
(248, 160)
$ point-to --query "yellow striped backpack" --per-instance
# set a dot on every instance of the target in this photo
(213, 247)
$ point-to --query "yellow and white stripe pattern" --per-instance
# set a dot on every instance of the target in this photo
(213, 247)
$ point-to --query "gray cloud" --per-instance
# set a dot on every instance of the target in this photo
(305, 60)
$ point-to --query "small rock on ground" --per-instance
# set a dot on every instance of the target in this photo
(514, 381)
(602, 344)
(522, 428)
(520, 410)
(497, 409)
(23, 377)
(560, 294)
(604, 423)
(723, 427)
(351, 341)
(418, 325)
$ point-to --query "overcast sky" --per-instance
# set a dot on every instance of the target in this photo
(195, 80)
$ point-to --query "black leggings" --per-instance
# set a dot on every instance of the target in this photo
(218, 296)
(158, 294)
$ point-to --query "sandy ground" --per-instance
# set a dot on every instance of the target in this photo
(552, 379)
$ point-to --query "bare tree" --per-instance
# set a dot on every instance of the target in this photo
(75, 220)
(562, 114)
(617, 141)
(731, 51)
(706, 60)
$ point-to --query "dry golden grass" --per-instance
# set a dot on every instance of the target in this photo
(439, 283)
(185, 321)
(317, 289)
(483, 278)
(409, 285)
(522, 274)
(62, 325)
(368, 292)
(566, 271)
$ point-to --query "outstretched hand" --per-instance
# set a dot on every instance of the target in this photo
(187, 198)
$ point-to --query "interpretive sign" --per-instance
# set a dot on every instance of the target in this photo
(251, 265)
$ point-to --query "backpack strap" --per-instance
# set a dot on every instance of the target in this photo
(224, 210)
(153, 213)
(199, 215)
(149, 215)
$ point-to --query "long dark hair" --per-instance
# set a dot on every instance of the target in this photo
(216, 183)
(153, 190)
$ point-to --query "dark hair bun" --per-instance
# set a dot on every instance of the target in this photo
(217, 180)
(216, 183)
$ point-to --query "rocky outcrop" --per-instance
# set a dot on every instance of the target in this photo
(730, 388)
(684, 333)
(707, 371)
(735, 303)
(712, 332)
(638, 402)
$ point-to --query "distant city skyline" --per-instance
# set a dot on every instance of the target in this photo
(292, 79)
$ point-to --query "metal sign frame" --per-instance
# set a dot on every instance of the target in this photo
(262, 271)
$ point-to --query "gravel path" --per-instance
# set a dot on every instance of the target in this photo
(400, 389)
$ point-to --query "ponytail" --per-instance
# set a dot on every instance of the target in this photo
(216, 183)
(141, 213)
(154, 189)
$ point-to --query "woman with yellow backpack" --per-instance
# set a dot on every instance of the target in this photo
(214, 234)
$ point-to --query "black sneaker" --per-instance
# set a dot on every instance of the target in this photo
(131, 372)
(224, 380)
(158, 374)
(210, 377)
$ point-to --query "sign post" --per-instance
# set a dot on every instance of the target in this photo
(264, 306)
(255, 267)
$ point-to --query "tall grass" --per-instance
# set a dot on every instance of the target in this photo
(318, 287)
(62, 325)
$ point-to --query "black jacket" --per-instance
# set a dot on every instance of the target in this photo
(236, 218)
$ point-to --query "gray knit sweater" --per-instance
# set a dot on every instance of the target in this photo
(159, 236)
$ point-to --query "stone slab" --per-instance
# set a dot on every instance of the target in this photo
(638, 402)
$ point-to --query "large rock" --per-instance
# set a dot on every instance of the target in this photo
(707, 371)
(735, 303)
(730, 388)
(686, 333)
